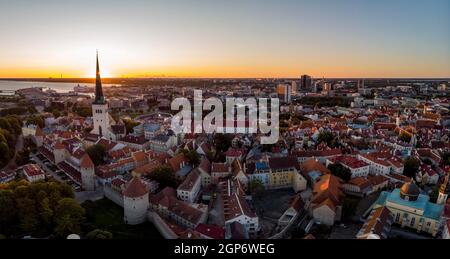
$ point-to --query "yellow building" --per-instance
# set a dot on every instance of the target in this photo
(284, 173)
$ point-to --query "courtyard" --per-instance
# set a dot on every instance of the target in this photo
(270, 206)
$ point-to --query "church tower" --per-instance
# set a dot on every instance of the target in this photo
(100, 108)
(444, 191)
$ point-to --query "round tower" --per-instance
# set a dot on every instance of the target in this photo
(135, 202)
(87, 170)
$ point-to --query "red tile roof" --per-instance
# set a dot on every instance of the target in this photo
(349, 161)
(135, 188)
(86, 161)
(328, 191)
(32, 170)
(212, 231)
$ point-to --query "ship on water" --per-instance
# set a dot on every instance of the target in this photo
(83, 89)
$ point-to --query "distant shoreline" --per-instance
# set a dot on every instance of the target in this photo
(125, 80)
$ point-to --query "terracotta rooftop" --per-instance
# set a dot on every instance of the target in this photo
(86, 161)
(135, 188)
(313, 165)
(190, 181)
(349, 161)
(212, 231)
(276, 163)
(329, 187)
(219, 167)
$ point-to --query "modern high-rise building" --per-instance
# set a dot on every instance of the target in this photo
(306, 82)
(294, 87)
(284, 92)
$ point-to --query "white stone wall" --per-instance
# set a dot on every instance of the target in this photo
(135, 209)
(114, 196)
(324, 215)
(88, 178)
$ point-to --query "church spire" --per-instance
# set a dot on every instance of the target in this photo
(99, 98)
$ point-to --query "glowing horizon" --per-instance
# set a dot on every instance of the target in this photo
(232, 39)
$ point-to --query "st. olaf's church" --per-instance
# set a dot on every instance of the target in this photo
(103, 124)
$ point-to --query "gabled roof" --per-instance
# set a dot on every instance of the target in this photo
(59, 145)
(86, 161)
(276, 163)
(139, 156)
(236, 167)
(39, 132)
(219, 167)
(329, 187)
(212, 231)
(177, 161)
(190, 181)
(205, 165)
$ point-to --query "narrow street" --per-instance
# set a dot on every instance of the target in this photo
(80, 197)
(18, 147)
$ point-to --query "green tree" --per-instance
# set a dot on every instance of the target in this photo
(256, 188)
(29, 221)
(434, 194)
(340, 171)
(129, 125)
(36, 120)
(405, 137)
(8, 211)
(326, 137)
(4, 124)
(97, 153)
(222, 142)
(192, 156)
(83, 111)
(411, 167)
(15, 124)
(46, 212)
(99, 234)
(69, 216)
(349, 208)
(165, 176)
(56, 113)
(4, 153)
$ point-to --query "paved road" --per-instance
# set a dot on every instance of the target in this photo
(80, 197)
(46, 169)
(19, 147)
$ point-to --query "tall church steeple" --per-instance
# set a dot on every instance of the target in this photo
(99, 98)
(100, 113)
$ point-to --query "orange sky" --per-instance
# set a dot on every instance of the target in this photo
(249, 38)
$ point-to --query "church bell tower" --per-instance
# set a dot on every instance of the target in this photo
(100, 108)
